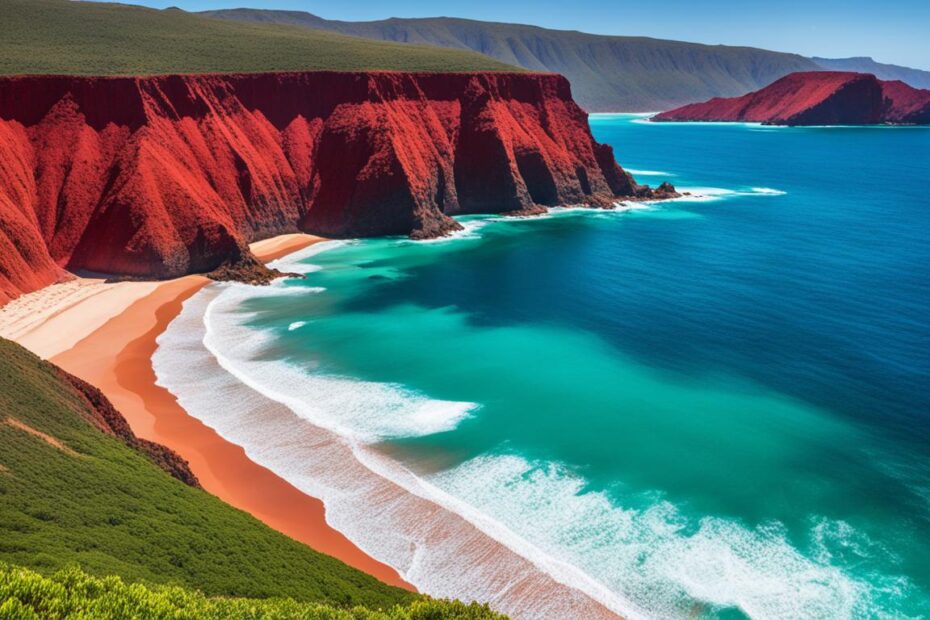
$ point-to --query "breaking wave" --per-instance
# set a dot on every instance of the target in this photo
(526, 536)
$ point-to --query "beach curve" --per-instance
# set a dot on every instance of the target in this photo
(111, 345)
(113, 349)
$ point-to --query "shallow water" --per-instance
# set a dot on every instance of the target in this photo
(713, 407)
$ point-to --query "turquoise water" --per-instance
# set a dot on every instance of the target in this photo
(714, 407)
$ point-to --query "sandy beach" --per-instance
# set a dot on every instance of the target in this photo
(105, 334)
(282, 245)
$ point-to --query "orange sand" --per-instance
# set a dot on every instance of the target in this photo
(282, 245)
(113, 351)
(117, 359)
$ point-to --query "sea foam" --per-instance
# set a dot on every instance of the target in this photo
(648, 173)
(469, 231)
(656, 556)
(296, 262)
(712, 194)
(390, 513)
(525, 536)
(363, 410)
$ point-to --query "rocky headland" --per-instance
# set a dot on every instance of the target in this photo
(816, 98)
(156, 177)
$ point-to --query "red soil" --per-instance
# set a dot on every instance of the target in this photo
(816, 98)
(163, 176)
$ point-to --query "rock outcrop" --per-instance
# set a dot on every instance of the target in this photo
(161, 176)
(817, 98)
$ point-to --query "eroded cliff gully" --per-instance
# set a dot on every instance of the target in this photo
(161, 176)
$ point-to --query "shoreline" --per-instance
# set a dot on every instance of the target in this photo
(112, 329)
(113, 347)
(439, 543)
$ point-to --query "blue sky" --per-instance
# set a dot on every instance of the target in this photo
(895, 31)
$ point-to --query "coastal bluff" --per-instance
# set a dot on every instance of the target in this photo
(156, 177)
(816, 98)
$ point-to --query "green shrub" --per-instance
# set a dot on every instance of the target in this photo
(108, 508)
(72, 594)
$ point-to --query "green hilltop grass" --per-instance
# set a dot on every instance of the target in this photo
(84, 38)
(72, 593)
(94, 502)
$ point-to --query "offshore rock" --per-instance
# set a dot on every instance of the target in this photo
(817, 98)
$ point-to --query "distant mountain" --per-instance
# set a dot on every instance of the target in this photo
(864, 64)
(608, 73)
(817, 98)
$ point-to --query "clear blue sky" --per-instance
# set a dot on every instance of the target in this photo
(895, 31)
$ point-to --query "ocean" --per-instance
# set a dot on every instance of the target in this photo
(713, 407)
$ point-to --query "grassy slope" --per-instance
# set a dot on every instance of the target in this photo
(73, 594)
(606, 72)
(111, 510)
(61, 36)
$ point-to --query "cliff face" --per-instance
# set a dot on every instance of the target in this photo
(904, 104)
(162, 176)
(816, 98)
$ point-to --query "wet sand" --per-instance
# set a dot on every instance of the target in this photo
(116, 357)
(111, 345)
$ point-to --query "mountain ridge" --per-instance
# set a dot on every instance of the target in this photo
(608, 73)
(918, 78)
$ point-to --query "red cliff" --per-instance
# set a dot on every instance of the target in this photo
(816, 98)
(162, 176)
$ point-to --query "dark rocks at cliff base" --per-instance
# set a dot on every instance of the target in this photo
(664, 191)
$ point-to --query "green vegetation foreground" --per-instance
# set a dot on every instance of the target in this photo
(85, 38)
(72, 494)
(73, 594)
(69, 493)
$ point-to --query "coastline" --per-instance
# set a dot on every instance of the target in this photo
(112, 345)
(447, 548)
(111, 330)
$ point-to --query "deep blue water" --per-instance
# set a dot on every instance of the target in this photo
(715, 407)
